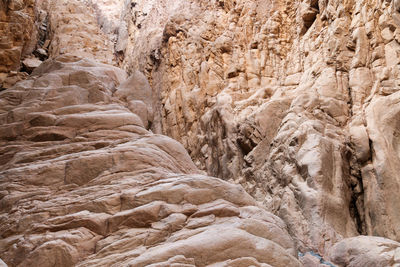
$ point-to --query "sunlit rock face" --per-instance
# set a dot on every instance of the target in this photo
(17, 20)
(31, 31)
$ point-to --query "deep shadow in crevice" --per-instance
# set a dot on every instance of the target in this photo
(309, 16)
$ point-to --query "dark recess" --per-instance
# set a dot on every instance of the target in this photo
(310, 16)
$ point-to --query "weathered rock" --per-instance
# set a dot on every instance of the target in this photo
(30, 64)
(381, 175)
(74, 30)
(365, 251)
(83, 183)
(137, 92)
(296, 101)
(17, 31)
(283, 98)
(9, 79)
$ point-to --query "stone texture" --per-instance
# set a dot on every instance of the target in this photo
(17, 31)
(31, 63)
(366, 251)
(108, 14)
(295, 100)
(74, 30)
(83, 183)
(35, 30)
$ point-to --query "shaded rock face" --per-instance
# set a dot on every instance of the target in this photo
(294, 100)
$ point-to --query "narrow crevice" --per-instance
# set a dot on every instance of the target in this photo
(315, 4)
(309, 16)
(43, 42)
(355, 183)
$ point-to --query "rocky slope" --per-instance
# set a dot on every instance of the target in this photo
(294, 100)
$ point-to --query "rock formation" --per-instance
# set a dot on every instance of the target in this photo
(84, 183)
(296, 101)
(16, 30)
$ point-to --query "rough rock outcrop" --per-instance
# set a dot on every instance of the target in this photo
(34, 30)
(74, 30)
(294, 100)
(84, 183)
(17, 20)
(366, 251)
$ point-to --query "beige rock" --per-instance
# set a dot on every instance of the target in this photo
(365, 251)
(75, 30)
(137, 92)
(31, 63)
(380, 176)
(281, 98)
(294, 100)
(83, 183)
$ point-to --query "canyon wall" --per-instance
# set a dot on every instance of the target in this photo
(83, 183)
(293, 104)
(295, 100)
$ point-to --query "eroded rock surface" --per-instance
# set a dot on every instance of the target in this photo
(84, 183)
(295, 100)
(17, 20)
(366, 251)
(75, 30)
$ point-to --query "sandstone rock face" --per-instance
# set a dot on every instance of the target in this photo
(83, 183)
(295, 100)
(366, 251)
(34, 30)
(108, 14)
(17, 20)
(74, 30)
